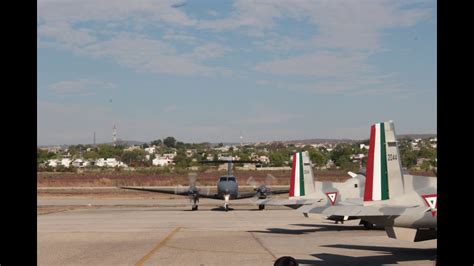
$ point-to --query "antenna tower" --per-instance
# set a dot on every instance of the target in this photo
(114, 136)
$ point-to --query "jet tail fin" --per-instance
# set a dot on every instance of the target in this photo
(384, 178)
(302, 178)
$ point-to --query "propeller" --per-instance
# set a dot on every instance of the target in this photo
(262, 189)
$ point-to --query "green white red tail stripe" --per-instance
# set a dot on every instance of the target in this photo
(297, 187)
(376, 184)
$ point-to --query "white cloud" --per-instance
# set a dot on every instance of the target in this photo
(79, 87)
(64, 33)
(212, 13)
(150, 55)
(348, 24)
(350, 85)
(182, 38)
(345, 34)
(106, 11)
(324, 64)
(210, 50)
(72, 25)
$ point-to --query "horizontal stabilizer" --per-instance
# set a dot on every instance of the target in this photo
(411, 234)
(288, 202)
(361, 211)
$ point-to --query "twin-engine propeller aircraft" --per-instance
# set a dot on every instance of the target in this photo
(227, 188)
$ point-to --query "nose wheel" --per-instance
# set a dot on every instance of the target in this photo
(226, 207)
(195, 208)
(261, 206)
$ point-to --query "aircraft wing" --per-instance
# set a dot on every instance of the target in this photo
(279, 191)
(362, 211)
(174, 192)
(246, 195)
(287, 202)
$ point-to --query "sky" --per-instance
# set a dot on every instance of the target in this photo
(213, 71)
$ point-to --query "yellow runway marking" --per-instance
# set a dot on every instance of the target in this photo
(158, 246)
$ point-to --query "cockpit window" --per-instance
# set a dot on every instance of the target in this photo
(227, 179)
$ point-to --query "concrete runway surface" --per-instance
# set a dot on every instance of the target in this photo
(160, 234)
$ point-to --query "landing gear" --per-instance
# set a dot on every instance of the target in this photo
(195, 201)
(367, 225)
(261, 206)
(226, 207)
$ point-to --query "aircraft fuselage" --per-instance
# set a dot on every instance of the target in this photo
(227, 185)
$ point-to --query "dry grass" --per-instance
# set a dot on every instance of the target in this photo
(206, 178)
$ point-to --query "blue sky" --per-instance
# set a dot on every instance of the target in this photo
(215, 70)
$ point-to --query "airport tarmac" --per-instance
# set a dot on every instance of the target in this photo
(163, 234)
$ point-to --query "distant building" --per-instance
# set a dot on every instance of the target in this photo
(190, 152)
(53, 162)
(264, 159)
(80, 163)
(169, 155)
(151, 150)
(434, 142)
(109, 162)
(363, 146)
(66, 162)
(132, 148)
(162, 161)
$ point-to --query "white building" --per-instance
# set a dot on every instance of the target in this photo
(151, 150)
(132, 148)
(169, 155)
(162, 161)
(80, 163)
(66, 162)
(53, 162)
(363, 146)
(264, 159)
(109, 162)
(359, 156)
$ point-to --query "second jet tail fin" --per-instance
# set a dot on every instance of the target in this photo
(384, 178)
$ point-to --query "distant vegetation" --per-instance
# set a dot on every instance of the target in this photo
(345, 156)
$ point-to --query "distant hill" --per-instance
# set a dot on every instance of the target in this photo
(119, 142)
(416, 136)
(126, 142)
(316, 141)
(302, 141)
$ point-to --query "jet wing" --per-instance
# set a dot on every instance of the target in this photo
(362, 211)
(174, 192)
